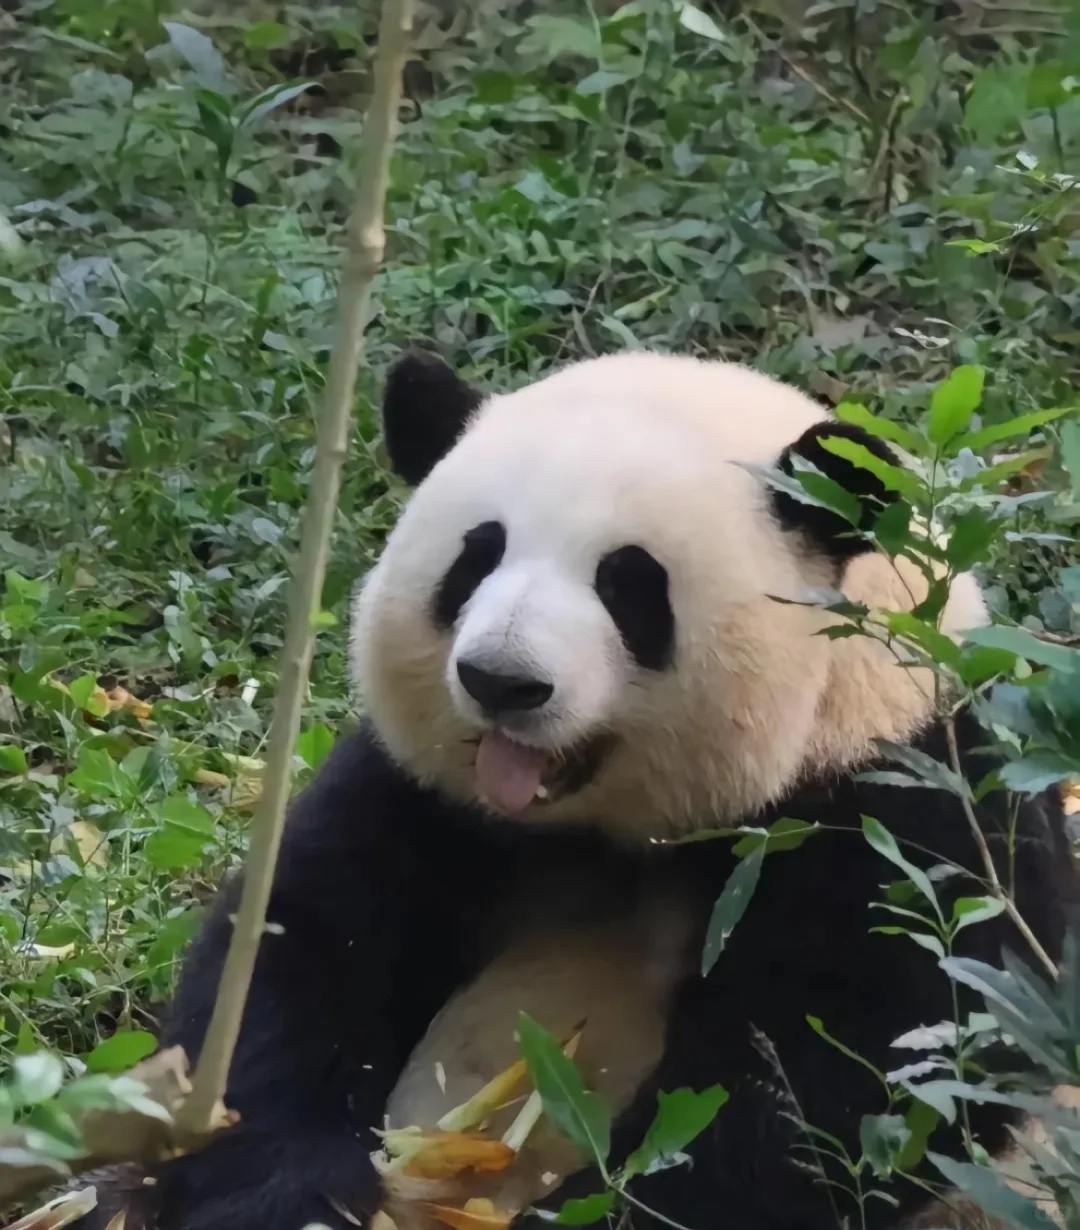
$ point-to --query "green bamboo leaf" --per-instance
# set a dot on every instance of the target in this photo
(731, 905)
(680, 1118)
(954, 401)
(885, 429)
(885, 844)
(1022, 425)
(580, 1115)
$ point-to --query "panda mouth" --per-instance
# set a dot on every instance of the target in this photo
(510, 776)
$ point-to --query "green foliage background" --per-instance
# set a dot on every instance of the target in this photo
(856, 196)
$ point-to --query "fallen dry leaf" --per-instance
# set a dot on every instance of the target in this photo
(478, 1214)
(44, 950)
(207, 777)
(242, 792)
(87, 837)
(121, 698)
(1023, 482)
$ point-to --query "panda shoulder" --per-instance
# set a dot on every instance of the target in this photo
(355, 790)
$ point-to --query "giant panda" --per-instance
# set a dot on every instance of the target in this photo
(591, 636)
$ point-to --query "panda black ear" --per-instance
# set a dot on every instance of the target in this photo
(425, 407)
(831, 532)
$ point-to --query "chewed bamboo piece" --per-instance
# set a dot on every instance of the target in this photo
(416, 1163)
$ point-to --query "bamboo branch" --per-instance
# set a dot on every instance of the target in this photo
(365, 240)
(996, 887)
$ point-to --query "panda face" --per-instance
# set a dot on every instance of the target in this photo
(576, 618)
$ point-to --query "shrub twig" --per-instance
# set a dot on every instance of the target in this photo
(996, 888)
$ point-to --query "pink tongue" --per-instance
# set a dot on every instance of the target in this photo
(508, 774)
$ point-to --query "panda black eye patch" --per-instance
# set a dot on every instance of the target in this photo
(481, 550)
(633, 586)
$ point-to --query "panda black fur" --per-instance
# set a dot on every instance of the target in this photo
(412, 923)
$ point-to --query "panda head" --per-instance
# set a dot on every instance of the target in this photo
(575, 617)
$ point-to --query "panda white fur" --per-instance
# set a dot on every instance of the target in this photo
(571, 650)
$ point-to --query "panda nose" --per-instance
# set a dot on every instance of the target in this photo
(500, 692)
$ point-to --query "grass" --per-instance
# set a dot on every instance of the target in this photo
(855, 201)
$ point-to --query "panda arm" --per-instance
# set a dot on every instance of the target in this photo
(370, 915)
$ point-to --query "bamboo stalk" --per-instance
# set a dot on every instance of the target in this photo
(365, 241)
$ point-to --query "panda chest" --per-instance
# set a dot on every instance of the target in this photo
(610, 974)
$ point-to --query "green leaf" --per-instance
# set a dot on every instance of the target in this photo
(82, 693)
(827, 491)
(185, 813)
(697, 22)
(216, 124)
(795, 486)
(990, 478)
(96, 775)
(680, 1118)
(552, 36)
(885, 844)
(730, 906)
(933, 772)
(13, 759)
(991, 1194)
(264, 530)
(1024, 645)
(933, 1098)
(315, 744)
(885, 777)
(885, 429)
(894, 478)
(601, 81)
(580, 1115)
(970, 538)
(882, 1138)
(977, 665)
(200, 53)
(940, 648)
(1022, 425)
(266, 35)
(977, 247)
(930, 942)
(174, 848)
(269, 100)
(969, 910)
(585, 1211)
(892, 526)
(997, 101)
(921, 1119)
(38, 1077)
(1036, 772)
(122, 1051)
(784, 834)
(954, 401)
